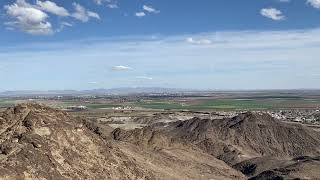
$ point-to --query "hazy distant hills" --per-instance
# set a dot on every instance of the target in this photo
(160, 90)
(114, 91)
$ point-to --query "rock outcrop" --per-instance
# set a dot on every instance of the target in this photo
(37, 142)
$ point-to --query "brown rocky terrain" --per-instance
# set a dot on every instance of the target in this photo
(37, 142)
(253, 143)
(303, 167)
(247, 136)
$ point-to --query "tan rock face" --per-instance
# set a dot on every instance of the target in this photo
(43, 131)
(37, 142)
(41, 143)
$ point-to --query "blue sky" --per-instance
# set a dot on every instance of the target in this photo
(198, 44)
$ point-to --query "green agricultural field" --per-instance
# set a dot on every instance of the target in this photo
(90, 105)
(246, 103)
(5, 103)
(102, 106)
(207, 105)
(160, 105)
(233, 104)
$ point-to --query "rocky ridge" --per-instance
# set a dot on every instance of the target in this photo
(38, 142)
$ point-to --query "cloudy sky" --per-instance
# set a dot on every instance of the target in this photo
(198, 44)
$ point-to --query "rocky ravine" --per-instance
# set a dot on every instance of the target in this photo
(37, 142)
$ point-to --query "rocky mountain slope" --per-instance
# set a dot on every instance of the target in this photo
(37, 142)
(253, 143)
(247, 136)
(303, 167)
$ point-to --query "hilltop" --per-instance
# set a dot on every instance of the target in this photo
(254, 143)
(39, 142)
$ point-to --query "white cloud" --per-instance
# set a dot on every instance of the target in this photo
(140, 14)
(99, 2)
(53, 8)
(150, 9)
(285, 1)
(33, 19)
(248, 59)
(25, 13)
(63, 25)
(66, 24)
(272, 13)
(200, 41)
(93, 82)
(93, 15)
(82, 14)
(28, 19)
(147, 9)
(314, 3)
(112, 6)
(121, 68)
(144, 78)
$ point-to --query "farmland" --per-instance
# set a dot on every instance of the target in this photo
(223, 101)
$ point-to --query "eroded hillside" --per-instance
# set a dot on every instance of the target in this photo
(38, 142)
(254, 143)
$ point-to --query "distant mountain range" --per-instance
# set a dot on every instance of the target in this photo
(147, 90)
(114, 91)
